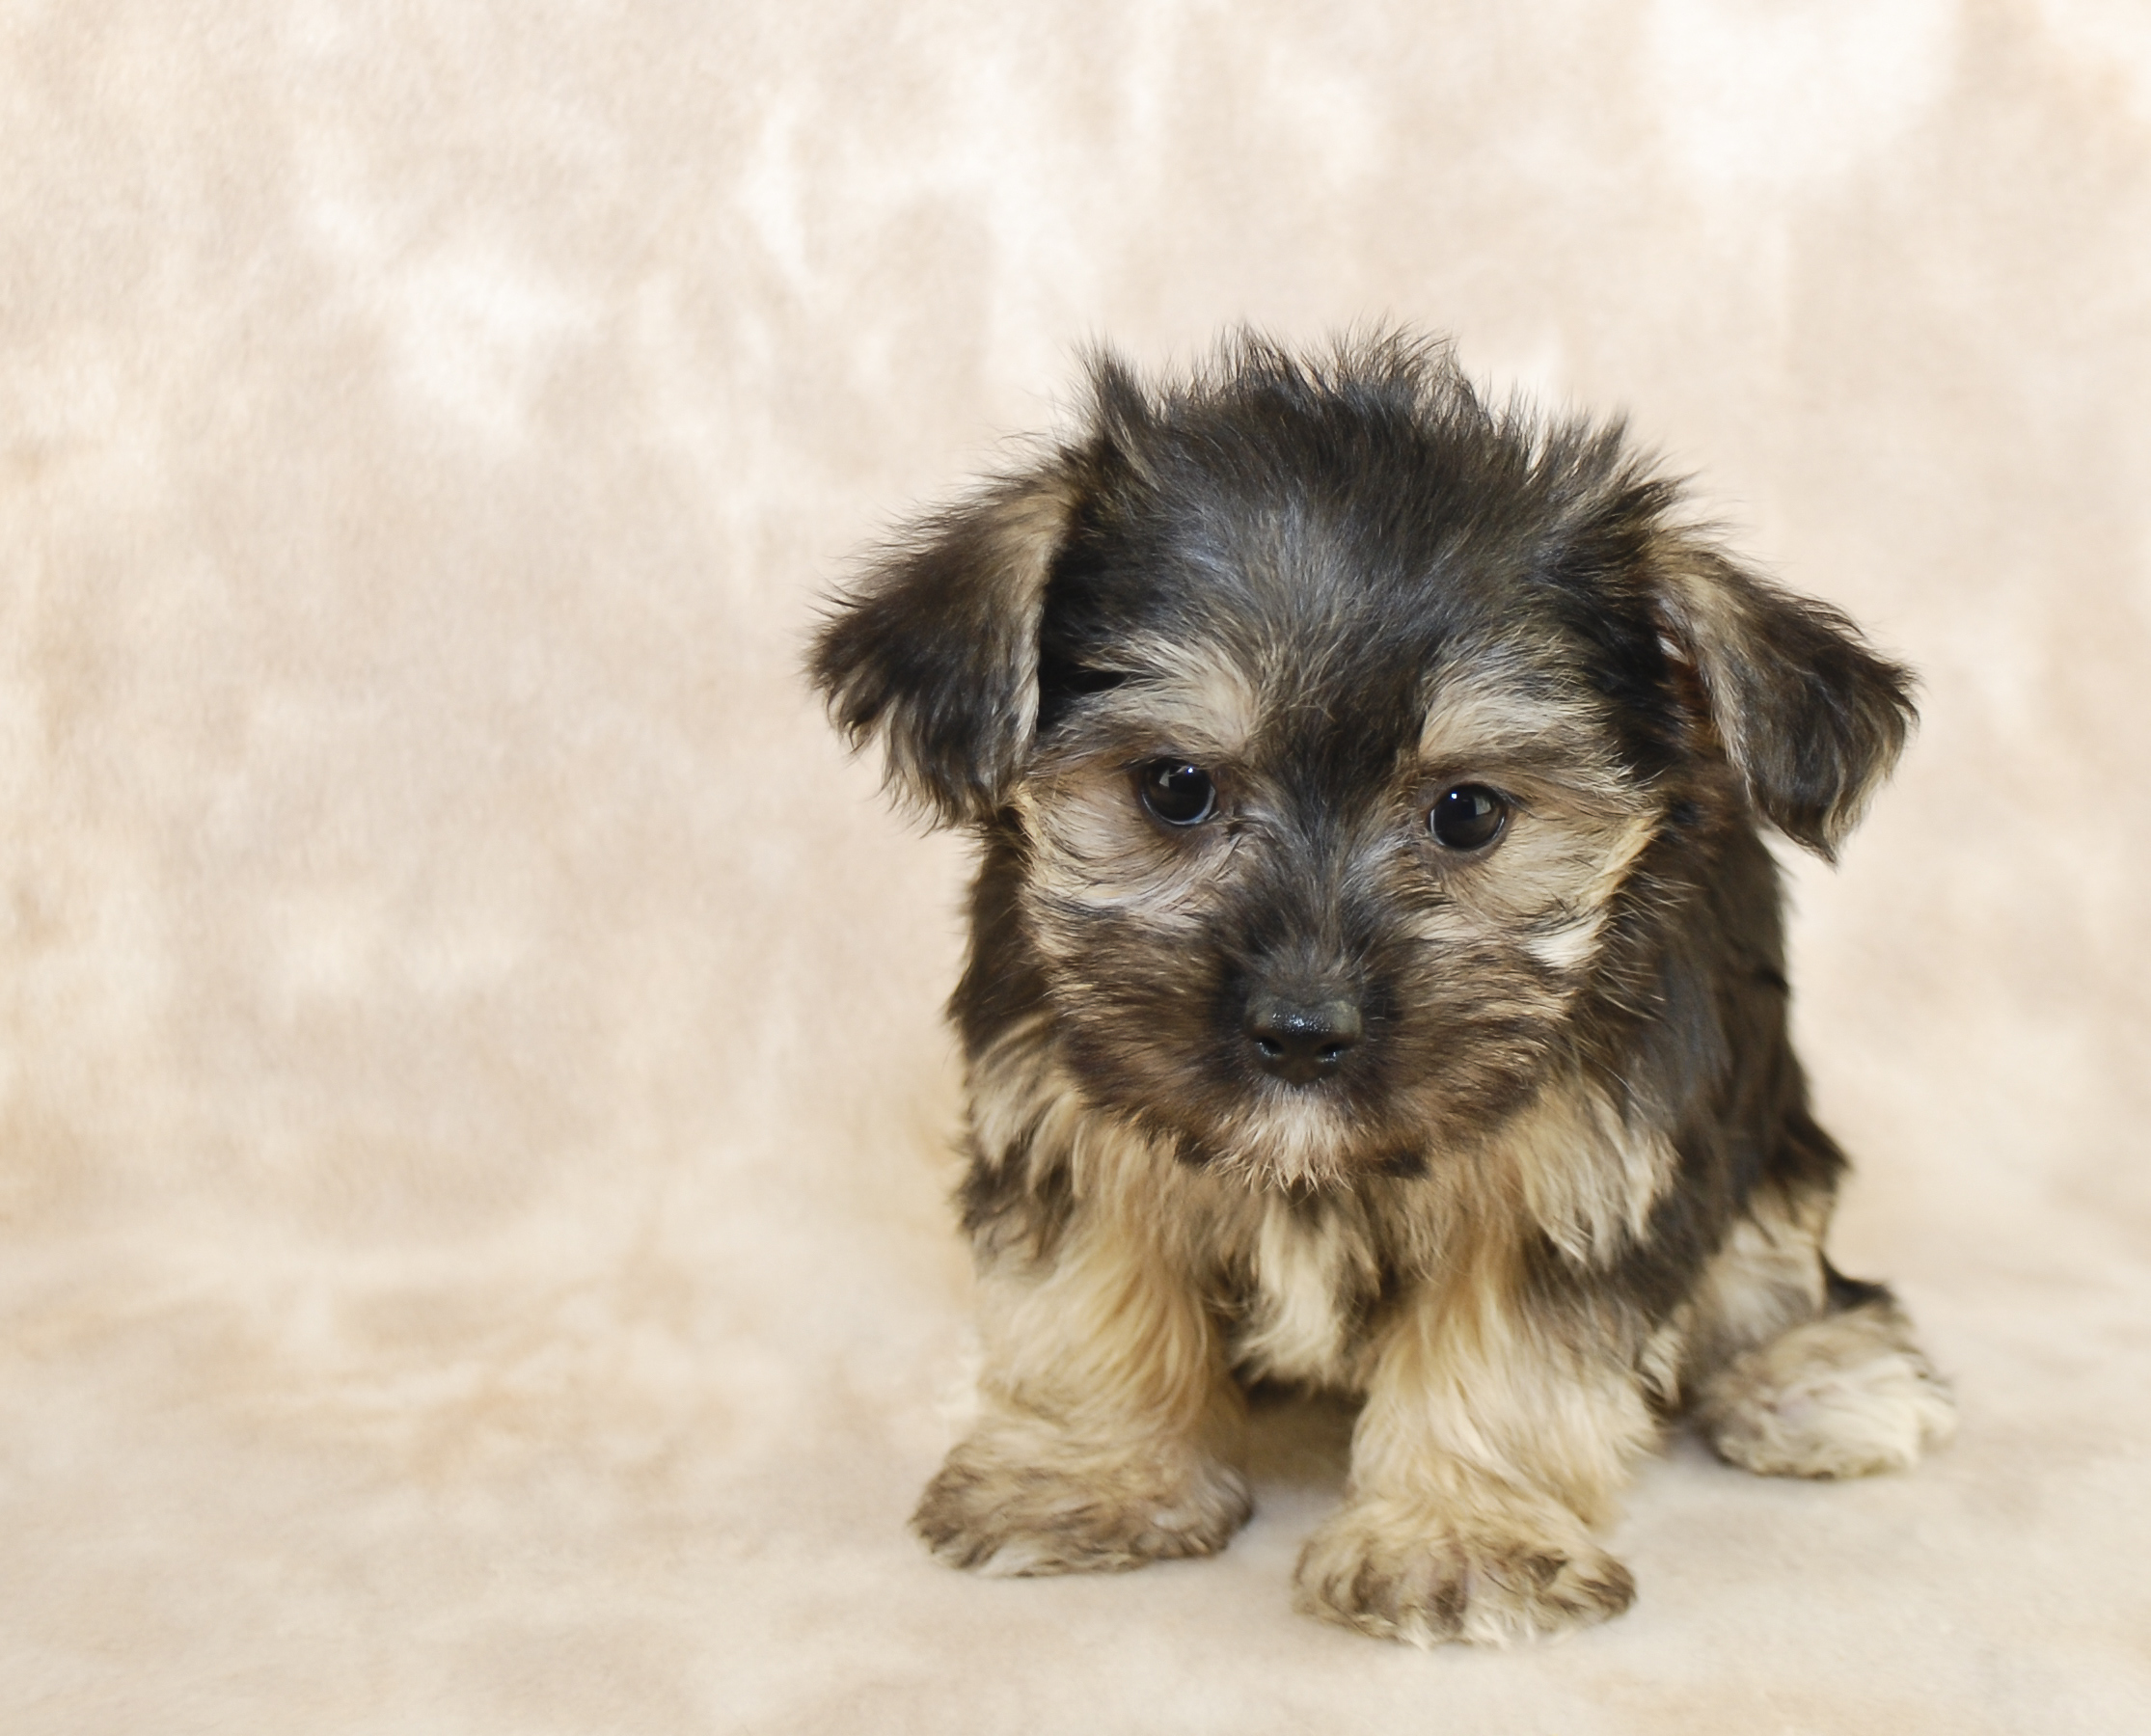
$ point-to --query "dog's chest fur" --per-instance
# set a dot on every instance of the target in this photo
(1311, 1277)
(1313, 1271)
(1300, 1278)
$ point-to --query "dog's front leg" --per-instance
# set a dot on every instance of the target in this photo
(1107, 1417)
(1496, 1433)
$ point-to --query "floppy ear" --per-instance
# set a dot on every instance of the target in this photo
(1812, 718)
(935, 648)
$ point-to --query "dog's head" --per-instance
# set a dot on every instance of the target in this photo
(1342, 723)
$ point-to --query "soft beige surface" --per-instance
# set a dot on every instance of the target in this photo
(472, 1182)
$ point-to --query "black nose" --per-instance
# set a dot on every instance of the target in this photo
(1301, 1041)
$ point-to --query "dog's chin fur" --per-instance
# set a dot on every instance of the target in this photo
(1296, 1149)
(1539, 1172)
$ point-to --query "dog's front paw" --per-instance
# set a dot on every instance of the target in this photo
(1844, 1395)
(1410, 1570)
(1066, 1512)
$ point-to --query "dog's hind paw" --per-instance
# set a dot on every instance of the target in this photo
(1404, 1570)
(1843, 1395)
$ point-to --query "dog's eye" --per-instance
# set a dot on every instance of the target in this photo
(1469, 817)
(1176, 791)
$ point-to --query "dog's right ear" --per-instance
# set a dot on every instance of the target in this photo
(934, 647)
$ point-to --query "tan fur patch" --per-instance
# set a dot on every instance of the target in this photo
(1287, 1142)
(1027, 521)
(1588, 1178)
(1093, 848)
(1555, 871)
(1479, 710)
(1765, 1279)
(1307, 1277)
(1204, 706)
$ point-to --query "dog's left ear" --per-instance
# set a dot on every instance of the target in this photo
(1810, 717)
(935, 648)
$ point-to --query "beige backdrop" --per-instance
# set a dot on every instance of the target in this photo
(473, 1161)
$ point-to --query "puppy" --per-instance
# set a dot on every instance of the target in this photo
(1376, 980)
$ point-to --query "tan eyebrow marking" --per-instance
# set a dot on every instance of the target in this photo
(1474, 716)
(1204, 707)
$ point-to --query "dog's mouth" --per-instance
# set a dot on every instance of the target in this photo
(1299, 1171)
(1303, 1141)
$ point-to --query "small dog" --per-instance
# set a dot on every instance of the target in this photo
(1376, 980)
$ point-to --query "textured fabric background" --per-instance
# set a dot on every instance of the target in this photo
(473, 1110)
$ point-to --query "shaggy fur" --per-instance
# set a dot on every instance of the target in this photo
(1279, 1070)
